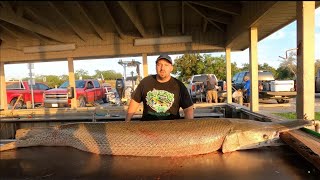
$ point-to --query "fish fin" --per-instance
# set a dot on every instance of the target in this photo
(8, 146)
(293, 124)
(230, 143)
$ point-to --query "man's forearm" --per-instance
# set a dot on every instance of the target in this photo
(188, 113)
(133, 106)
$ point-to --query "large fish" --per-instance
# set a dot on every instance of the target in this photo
(157, 138)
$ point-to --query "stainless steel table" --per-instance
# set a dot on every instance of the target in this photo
(69, 163)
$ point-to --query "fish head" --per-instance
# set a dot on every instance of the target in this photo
(239, 140)
(250, 135)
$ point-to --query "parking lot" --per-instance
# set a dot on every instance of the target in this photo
(273, 107)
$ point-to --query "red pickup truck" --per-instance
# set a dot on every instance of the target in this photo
(88, 91)
(17, 88)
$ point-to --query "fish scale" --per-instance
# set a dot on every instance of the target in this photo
(155, 138)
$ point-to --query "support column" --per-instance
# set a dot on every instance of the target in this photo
(305, 60)
(145, 65)
(3, 90)
(254, 93)
(72, 82)
(228, 68)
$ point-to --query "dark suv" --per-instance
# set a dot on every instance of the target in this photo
(238, 82)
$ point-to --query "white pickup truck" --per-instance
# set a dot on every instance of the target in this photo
(269, 88)
(197, 88)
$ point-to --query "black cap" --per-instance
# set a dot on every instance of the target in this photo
(164, 56)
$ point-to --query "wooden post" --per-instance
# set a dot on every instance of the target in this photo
(305, 60)
(72, 82)
(254, 93)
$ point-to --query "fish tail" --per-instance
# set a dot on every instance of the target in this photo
(8, 146)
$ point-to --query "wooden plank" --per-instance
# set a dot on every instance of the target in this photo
(305, 144)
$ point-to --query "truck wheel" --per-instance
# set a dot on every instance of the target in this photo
(282, 101)
(82, 102)
(19, 104)
(105, 99)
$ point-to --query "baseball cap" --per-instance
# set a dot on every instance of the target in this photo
(164, 56)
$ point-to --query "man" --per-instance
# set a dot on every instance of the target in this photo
(161, 94)
(212, 93)
(246, 89)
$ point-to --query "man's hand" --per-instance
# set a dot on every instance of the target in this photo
(133, 106)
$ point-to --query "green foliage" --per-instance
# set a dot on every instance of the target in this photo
(284, 73)
(265, 67)
(293, 115)
(107, 75)
(83, 74)
(191, 64)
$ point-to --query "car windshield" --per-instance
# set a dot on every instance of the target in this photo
(201, 78)
(79, 84)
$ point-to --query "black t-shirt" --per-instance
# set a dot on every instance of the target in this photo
(161, 101)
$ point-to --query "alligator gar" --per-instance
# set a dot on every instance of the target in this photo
(157, 138)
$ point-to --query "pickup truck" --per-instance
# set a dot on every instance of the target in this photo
(23, 89)
(197, 87)
(269, 88)
(317, 82)
(88, 91)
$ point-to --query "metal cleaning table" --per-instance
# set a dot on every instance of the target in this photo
(280, 162)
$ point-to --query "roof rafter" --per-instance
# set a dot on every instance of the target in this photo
(6, 5)
(90, 19)
(160, 16)
(220, 6)
(69, 22)
(182, 18)
(133, 15)
(9, 31)
(204, 16)
(6, 16)
(119, 31)
(205, 24)
(41, 19)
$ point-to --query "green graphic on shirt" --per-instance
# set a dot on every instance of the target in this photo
(160, 100)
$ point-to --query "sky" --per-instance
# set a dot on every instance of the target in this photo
(269, 50)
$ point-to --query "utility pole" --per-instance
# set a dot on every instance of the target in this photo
(31, 81)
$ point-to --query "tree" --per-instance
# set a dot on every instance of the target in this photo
(262, 67)
(191, 64)
(107, 75)
(290, 64)
(82, 73)
(187, 65)
(316, 66)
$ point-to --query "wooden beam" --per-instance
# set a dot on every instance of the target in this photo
(160, 16)
(4, 37)
(225, 7)
(205, 24)
(6, 16)
(20, 11)
(182, 18)
(42, 19)
(133, 15)
(6, 5)
(9, 31)
(73, 26)
(90, 19)
(119, 31)
(305, 144)
(204, 16)
(220, 18)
